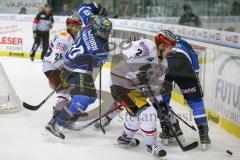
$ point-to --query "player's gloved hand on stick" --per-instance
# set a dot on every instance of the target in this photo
(166, 88)
(144, 74)
(162, 110)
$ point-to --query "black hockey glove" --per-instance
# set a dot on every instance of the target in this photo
(166, 88)
(144, 74)
(162, 110)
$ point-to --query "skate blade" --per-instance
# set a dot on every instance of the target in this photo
(45, 133)
(124, 145)
(160, 158)
(164, 142)
(48, 134)
(204, 147)
(171, 140)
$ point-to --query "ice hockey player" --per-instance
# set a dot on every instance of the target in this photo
(88, 52)
(142, 68)
(183, 67)
(53, 61)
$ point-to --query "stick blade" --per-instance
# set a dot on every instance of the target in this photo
(103, 130)
(194, 128)
(30, 107)
(190, 146)
(73, 127)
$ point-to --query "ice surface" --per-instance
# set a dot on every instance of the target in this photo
(21, 133)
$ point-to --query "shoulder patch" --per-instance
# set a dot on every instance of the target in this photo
(63, 33)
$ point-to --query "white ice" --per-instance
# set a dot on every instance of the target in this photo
(21, 133)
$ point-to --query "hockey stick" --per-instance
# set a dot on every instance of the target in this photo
(76, 128)
(191, 126)
(184, 148)
(100, 99)
(34, 108)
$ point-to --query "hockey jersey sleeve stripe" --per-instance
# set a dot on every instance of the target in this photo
(76, 70)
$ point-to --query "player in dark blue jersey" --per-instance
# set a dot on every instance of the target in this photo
(88, 52)
(183, 68)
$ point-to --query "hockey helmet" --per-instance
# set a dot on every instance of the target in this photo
(102, 24)
(74, 20)
(165, 36)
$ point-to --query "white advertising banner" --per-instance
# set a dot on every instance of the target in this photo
(16, 32)
(223, 38)
(14, 6)
(227, 85)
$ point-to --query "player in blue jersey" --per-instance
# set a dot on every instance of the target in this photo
(88, 52)
(183, 68)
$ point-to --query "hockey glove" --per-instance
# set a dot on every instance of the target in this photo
(144, 74)
(162, 110)
(166, 88)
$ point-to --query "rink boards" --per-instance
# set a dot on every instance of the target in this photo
(219, 74)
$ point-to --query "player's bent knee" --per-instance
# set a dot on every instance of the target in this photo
(61, 101)
(80, 103)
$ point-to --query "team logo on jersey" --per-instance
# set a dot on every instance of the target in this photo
(144, 51)
(62, 47)
(189, 90)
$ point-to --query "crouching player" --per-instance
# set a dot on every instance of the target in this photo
(89, 51)
(142, 68)
(183, 70)
(53, 61)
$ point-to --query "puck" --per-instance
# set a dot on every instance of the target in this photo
(229, 152)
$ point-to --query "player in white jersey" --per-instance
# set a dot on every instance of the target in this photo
(138, 77)
(53, 60)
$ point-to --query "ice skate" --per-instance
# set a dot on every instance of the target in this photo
(204, 137)
(104, 122)
(124, 140)
(157, 151)
(54, 129)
